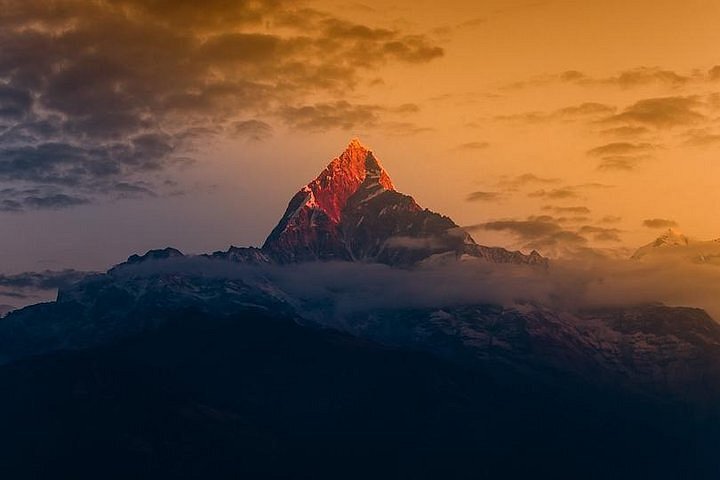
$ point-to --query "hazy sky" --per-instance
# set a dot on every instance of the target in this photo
(127, 125)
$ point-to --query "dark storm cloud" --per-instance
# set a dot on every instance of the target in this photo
(93, 94)
(664, 112)
(659, 223)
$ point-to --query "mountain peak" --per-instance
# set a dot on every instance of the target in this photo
(343, 176)
(355, 144)
(352, 212)
(671, 238)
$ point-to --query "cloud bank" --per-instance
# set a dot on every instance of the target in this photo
(566, 286)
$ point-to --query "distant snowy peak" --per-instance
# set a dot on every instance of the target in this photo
(673, 244)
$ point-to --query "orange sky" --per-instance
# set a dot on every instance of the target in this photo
(497, 92)
(602, 110)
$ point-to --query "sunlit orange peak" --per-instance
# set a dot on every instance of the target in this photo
(355, 143)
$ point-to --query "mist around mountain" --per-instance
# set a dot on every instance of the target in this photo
(368, 337)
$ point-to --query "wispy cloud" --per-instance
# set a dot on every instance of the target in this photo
(661, 113)
(481, 196)
(621, 155)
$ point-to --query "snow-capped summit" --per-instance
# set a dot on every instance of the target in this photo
(672, 238)
(352, 211)
(674, 244)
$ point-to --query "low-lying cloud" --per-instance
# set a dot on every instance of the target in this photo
(344, 288)
(27, 287)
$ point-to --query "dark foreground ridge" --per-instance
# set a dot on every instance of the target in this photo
(260, 397)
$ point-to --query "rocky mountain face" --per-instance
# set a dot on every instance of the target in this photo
(352, 212)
